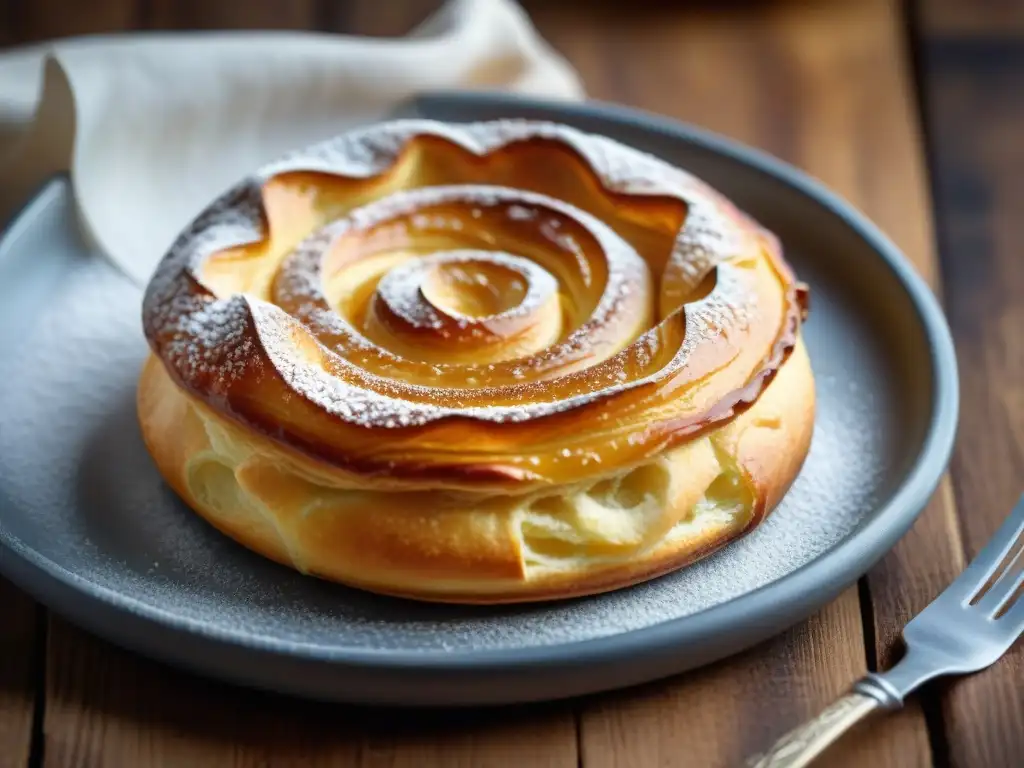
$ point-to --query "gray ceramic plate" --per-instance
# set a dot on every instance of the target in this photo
(87, 526)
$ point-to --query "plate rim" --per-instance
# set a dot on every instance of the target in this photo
(795, 594)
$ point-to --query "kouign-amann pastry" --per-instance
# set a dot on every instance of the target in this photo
(489, 362)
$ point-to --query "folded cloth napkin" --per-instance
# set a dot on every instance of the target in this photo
(152, 127)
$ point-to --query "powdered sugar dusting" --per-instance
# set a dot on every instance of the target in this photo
(213, 341)
(401, 288)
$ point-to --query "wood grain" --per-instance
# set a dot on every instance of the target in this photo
(107, 707)
(18, 650)
(39, 21)
(720, 715)
(369, 17)
(826, 87)
(985, 19)
(237, 14)
(974, 71)
(908, 578)
(930, 556)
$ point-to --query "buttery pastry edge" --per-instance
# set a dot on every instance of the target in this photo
(488, 362)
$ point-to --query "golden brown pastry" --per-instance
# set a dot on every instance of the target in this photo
(492, 362)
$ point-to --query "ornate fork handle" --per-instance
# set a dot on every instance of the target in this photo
(805, 742)
(973, 622)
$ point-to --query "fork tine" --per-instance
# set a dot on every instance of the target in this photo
(1005, 587)
(988, 560)
(1014, 618)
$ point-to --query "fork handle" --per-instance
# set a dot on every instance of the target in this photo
(805, 742)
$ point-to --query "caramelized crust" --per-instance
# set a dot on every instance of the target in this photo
(465, 547)
(496, 362)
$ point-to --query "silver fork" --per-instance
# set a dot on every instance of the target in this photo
(966, 628)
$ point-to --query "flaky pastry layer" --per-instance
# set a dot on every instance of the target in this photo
(456, 546)
(482, 362)
(325, 302)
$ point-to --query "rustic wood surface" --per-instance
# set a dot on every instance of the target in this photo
(974, 106)
(19, 657)
(835, 87)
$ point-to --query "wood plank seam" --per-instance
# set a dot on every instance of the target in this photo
(799, 52)
(938, 741)
(973, 63)
(18, 697)
(932, 704)
(867, 617)
(37, 744)
(943, 499)
(617, 80)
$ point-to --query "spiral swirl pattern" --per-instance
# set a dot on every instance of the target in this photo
(505, 304)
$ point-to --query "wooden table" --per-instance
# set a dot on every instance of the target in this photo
(914, 114)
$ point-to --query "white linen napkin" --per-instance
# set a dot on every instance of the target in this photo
(152, 127)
